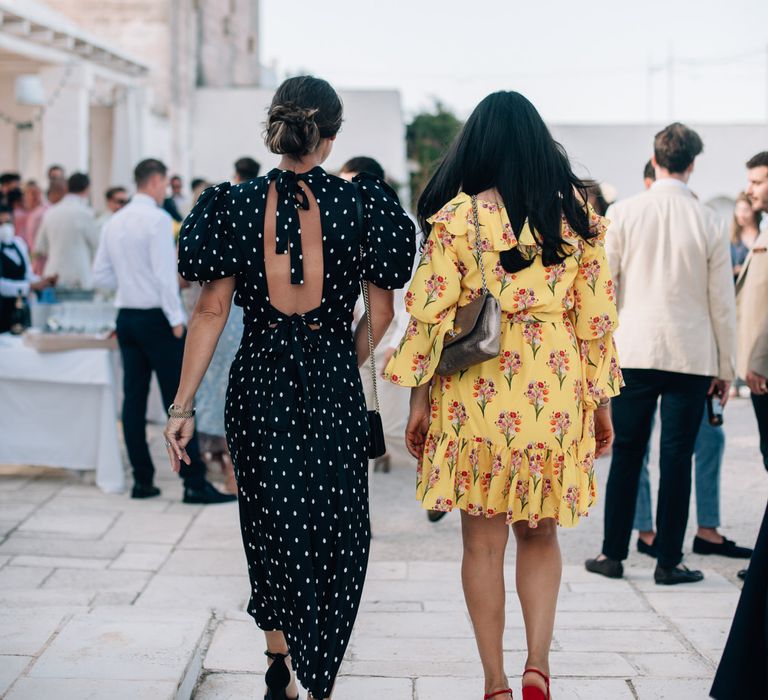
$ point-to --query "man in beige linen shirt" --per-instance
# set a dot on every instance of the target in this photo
(69, 236)
(752, 298)
(671, 264)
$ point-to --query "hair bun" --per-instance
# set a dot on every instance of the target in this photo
(292, 129)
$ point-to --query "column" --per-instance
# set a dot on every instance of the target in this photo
(66, 121)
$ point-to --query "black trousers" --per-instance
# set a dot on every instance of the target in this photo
(147, 345)
(760, 404)
(682, 403)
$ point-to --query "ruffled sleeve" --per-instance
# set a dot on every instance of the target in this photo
(431, 299)
(208, 247)
(595, 318)
(389, 237)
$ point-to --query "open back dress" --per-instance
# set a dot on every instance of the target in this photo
(296, 420)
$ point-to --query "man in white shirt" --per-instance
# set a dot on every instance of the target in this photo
(671, 266)
(69, 236)
(137, 256)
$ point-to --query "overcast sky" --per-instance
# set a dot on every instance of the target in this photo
(579, 62)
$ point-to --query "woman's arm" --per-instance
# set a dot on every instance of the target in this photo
(418, 421)
(205, 327)
(382, 313)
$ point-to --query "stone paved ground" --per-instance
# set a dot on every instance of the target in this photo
(105, 597)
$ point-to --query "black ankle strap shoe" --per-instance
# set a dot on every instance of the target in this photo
(277, 677)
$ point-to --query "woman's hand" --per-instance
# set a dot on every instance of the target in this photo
(603, 431)
(178, 432)
(418, 421)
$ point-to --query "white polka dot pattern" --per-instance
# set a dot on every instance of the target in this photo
(295, 415)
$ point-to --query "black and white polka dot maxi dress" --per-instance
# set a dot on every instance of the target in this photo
(295, 414)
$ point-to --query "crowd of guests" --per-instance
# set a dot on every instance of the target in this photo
(690, 294)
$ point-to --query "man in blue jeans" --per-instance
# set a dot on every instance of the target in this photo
(708, 458)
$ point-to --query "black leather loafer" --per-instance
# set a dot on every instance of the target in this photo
(727, 548)
(206, 494)
(609, 568)
(675, 575)
(144, 491)
(644, 548)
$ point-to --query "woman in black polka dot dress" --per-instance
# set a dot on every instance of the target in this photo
(291, 248)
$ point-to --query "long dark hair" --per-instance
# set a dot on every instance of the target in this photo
(506, 145)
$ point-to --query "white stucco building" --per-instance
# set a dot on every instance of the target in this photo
(179, 80)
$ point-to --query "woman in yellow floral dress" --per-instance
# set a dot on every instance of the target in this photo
(513, 440)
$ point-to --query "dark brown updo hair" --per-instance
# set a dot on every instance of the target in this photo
(304, 110)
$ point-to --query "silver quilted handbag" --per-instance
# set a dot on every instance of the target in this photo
(476, 334)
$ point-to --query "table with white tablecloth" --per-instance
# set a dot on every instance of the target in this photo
(57, 409)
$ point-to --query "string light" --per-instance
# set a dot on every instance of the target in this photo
(38, 116)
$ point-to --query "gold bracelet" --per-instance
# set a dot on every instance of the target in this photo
(174, 412)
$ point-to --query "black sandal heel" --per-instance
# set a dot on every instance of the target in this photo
(277, 677)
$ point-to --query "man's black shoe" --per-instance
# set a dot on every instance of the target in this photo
(644, 548)
(727, 548)
(605, 567)
(675, 575)
(144, 491)
(742, 574)
(206, 494)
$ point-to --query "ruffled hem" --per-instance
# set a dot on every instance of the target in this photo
(530, 483)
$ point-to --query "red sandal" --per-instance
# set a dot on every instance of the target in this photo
(531, 692)
(488, 696)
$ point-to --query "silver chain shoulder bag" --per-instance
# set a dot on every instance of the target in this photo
(476, 334)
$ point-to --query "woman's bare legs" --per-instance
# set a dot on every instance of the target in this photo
(277, 645)
(539, 568)
(482, 574)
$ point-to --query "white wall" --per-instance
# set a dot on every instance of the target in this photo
(229, 123)
(617, 154)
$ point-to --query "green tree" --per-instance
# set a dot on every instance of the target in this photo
(427, 137)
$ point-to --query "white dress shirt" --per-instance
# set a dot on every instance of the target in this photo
(671, 266)
(69, 238)
(137, 256)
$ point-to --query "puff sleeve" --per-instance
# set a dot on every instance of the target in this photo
(389, 236)
(208, 248)
(431, 300)
(595, 318)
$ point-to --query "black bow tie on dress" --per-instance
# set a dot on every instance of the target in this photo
(290, 198)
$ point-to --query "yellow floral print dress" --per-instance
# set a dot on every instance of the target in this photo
(515, 434)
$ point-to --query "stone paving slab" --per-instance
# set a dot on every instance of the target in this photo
(105, 597)
(11, 667)
(123, 643)
(91, 689)
(469, 689)
(26, 631)
(195, 592)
